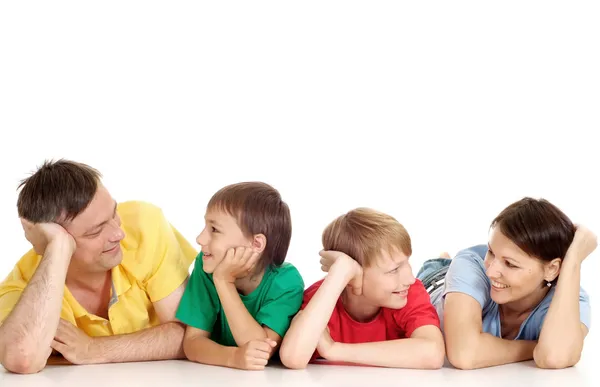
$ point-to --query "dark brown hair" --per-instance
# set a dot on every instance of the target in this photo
(58, 191)
(258, 209)
(363, 232)
(538, 227)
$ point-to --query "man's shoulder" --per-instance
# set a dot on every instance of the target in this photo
(133, 210)
(141, 221)
(24, 268)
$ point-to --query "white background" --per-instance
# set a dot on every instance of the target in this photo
(440, 114)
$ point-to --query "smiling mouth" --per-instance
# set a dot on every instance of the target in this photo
(112, 249)
(499, 286)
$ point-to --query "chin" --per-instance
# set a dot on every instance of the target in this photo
(114, 260)
(500, 299)
(395, 304)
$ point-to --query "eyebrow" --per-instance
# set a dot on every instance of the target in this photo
(214, 222)
(103, 223)
(396, 268)
(504, 256)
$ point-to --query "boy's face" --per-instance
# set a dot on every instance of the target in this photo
(386, 281)
(220, 233)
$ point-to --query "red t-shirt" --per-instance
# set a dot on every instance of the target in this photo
(389, 324)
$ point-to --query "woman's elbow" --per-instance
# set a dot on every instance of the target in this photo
(555, 359)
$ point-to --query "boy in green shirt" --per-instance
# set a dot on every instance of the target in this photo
(241, 296)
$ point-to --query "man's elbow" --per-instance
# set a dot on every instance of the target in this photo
(21, 360)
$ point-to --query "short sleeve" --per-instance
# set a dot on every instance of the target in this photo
(417, 312)
(466, 274)
(171, 255)
(283, 300)
(533, 326)
(585, 310)
(309, 293)
(199, 305)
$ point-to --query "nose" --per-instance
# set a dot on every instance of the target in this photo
(117, 234)
(493, 269)
(202, 238)
(406, 277)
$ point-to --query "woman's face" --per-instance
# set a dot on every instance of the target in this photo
(515, 275)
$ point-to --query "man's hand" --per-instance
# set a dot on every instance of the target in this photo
(40, 235)
(75, 346)
(584, 243)
(238, 263)
(335, 260)
(254, 355)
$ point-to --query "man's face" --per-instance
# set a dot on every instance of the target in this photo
(97, 233)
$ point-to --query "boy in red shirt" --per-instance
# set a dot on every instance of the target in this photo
(369, 309)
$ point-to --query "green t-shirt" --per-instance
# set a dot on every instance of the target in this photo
(273, 303)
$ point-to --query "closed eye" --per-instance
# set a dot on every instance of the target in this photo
(510, 265)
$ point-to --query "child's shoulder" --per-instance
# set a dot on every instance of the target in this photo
(286, 276)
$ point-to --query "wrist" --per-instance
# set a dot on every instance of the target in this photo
(222, 283)
(343, 268)
(231, 358)
(337, 351)
(62, 247)
(572, 259)
(95, 352)
(222, 278)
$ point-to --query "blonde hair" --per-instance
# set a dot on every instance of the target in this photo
(363, 233)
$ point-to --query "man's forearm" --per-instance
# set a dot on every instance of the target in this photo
(244, 327)
(30, 327)
(163, 342)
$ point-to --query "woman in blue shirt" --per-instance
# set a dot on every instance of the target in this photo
(518, 297)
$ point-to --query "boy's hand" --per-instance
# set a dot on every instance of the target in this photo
(326, 346)
(335, 260)
(254, 355)
(238, 263)
(584, 243)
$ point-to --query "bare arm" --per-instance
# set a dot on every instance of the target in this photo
(254, 355)
(28, 330)
(306, 329)
(561, 339)
(162, 342)
(423, 350)
(468, 347)
(244, 327)
(200, 348)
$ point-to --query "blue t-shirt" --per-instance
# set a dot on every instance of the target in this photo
(466, 274)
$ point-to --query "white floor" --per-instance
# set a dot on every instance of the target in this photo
(183, 373)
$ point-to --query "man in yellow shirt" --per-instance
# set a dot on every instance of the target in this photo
(102, 282)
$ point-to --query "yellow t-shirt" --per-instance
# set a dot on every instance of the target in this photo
(156, 261)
